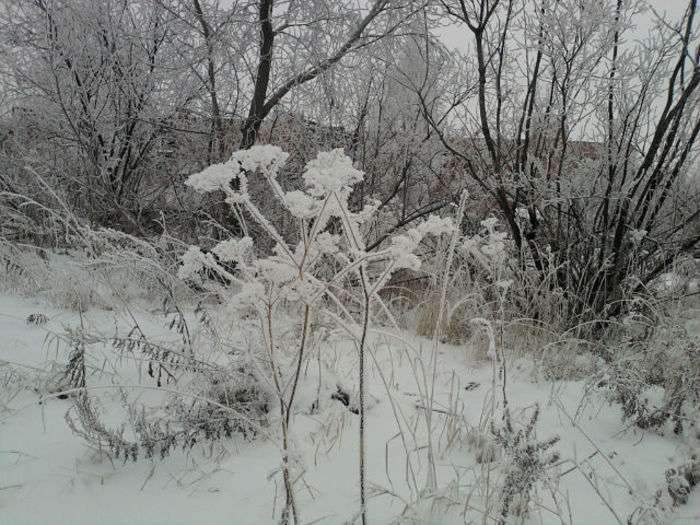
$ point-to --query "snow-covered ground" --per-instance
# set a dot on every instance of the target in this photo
(49, 476)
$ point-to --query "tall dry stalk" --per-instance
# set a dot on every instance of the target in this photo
(431, 481)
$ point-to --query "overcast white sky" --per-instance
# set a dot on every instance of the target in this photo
(455, 36)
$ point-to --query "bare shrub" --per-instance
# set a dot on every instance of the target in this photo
(209, 403)
(655, 377)
(681, 480)
(24, 269)
(455, 329)
(12, 382)
(526, 461)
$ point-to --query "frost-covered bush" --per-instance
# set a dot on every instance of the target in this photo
(478, 284)
(65, 282)
(497, 271)
(656, 377)
(201, 401)
(324, 269)
(526, 460)
(681, 480)
(104, 268)
(13, 381)
(490, 282)
(22, 269)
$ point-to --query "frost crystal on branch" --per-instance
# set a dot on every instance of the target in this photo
(301, 205)
(215, 177)
(233, 249)
(490, 224)
(290, 272)
(268, 159)
(331, 172)
(193, 260)
(403, 246)
(637, 236)
(435, 225)
(327, 243)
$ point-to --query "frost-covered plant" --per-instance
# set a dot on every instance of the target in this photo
(211, 402)
(481, 275)
(22, 269)
(490, 248)
(527, 460)
(655, 378)
(681, 480)
(12, 382)
(493, 259)
(103, 268)
(308, 277)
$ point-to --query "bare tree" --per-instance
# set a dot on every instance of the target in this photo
(97, 82)
(280, 36)
(598, 197)
(211, 41)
